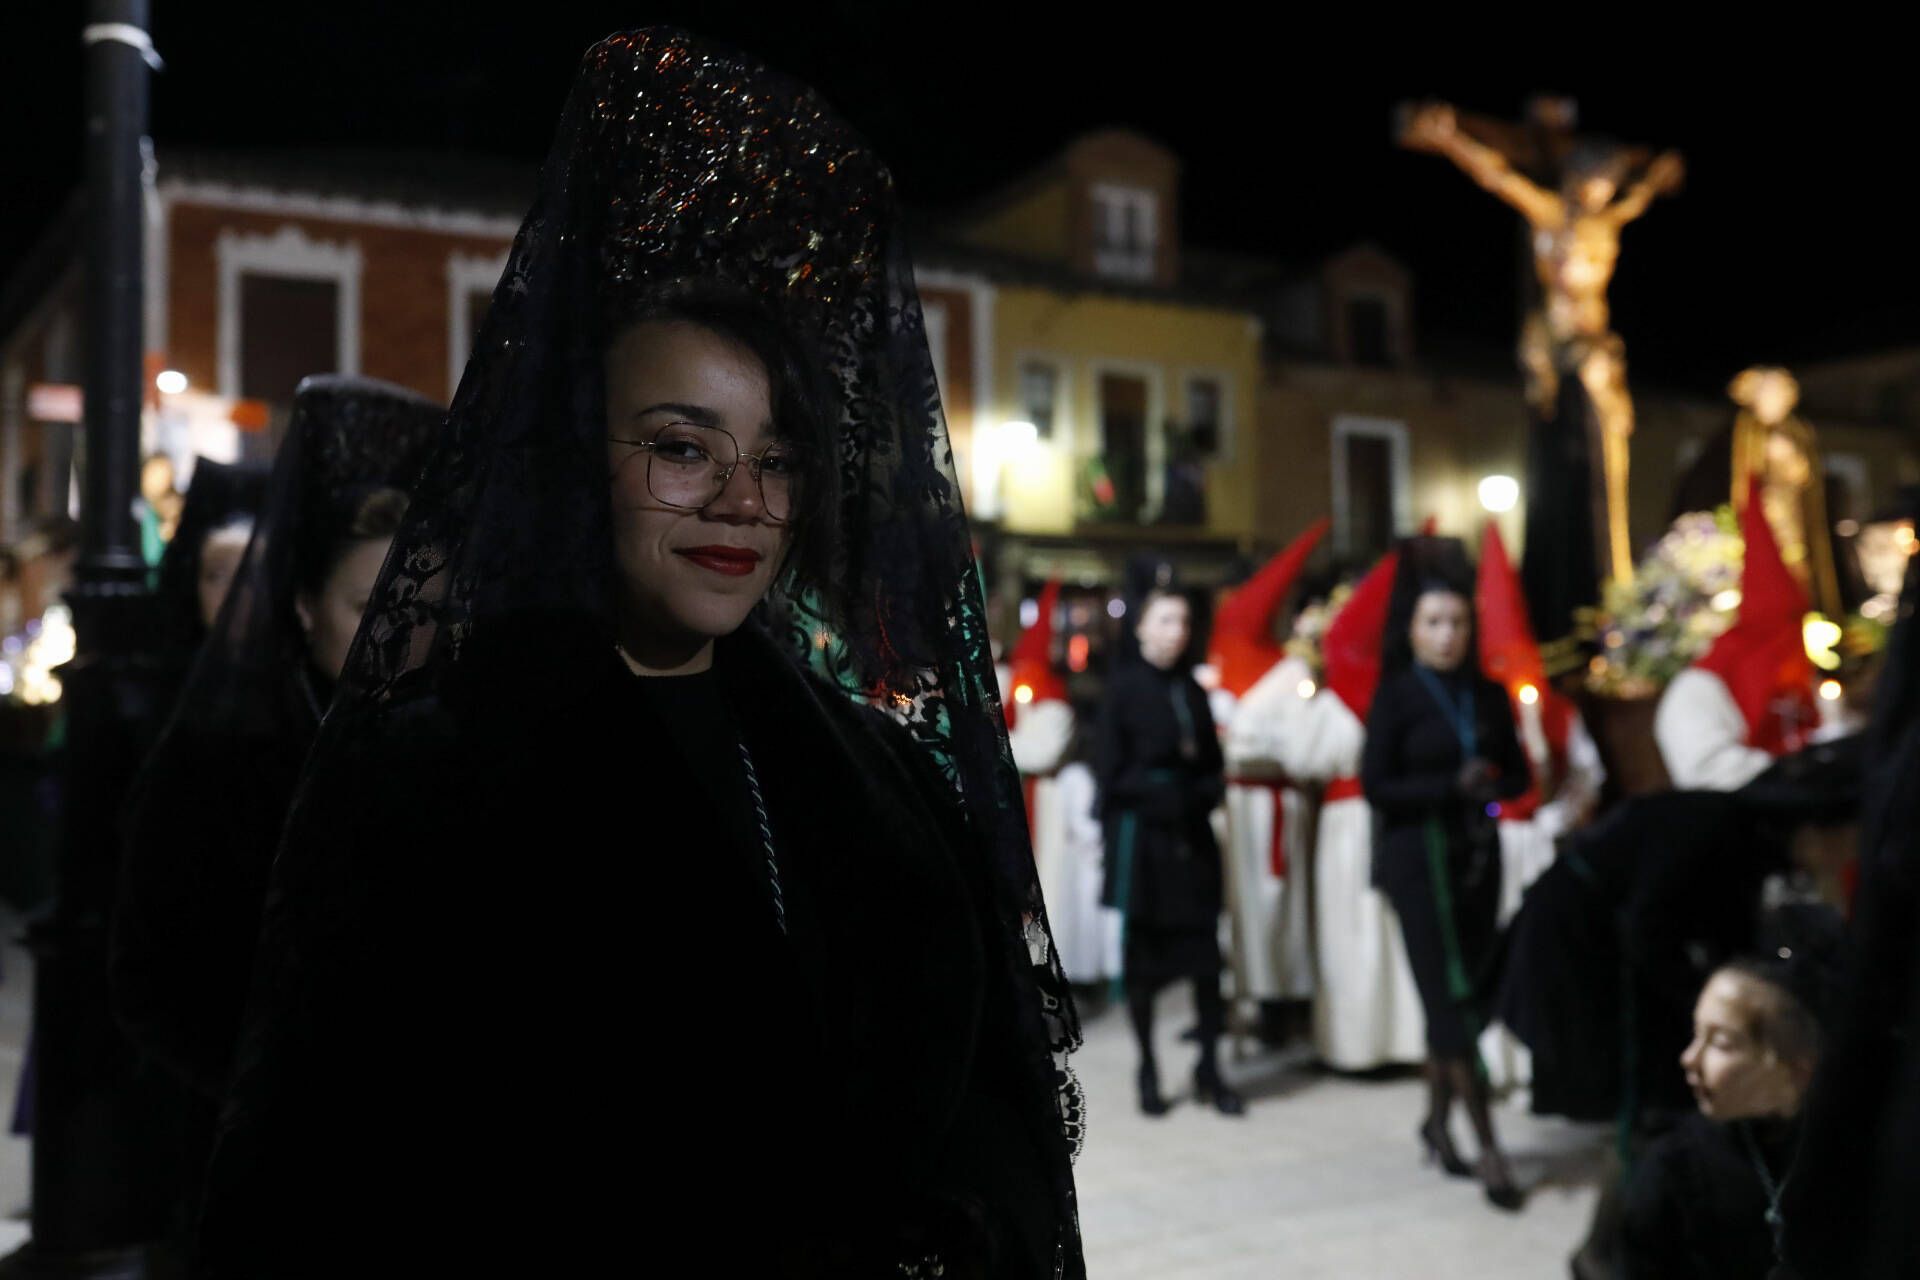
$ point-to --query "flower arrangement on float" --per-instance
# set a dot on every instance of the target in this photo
(1682, 595)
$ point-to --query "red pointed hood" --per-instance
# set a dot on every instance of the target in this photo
(1510, 658)
(1352, 643)
(1508, 653)
(1031, 660)
(1243, 648)
(1762, 657)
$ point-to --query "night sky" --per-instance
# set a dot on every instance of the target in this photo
(1787, 244)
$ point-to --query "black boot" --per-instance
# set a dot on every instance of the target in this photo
(1439, 1148)
(1151, 1103)
(1497, 1182)
(1210, 1089)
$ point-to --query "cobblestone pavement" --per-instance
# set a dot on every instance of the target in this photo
(1321, 1178)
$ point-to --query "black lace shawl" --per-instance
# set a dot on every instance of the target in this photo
(677, 161)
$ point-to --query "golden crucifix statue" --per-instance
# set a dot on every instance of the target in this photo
(1576, 197)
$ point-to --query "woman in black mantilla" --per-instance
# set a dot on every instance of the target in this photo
(205, 814)
(1440, 754)
(203, 558)
(1160, 775)
(659, 887)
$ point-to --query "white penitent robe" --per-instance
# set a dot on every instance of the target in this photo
(1703, 737)
(1366, 1010)
(1041, 736)
(1087, 934)
(1272, 933)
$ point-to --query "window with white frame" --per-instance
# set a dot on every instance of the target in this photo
(1372, 484)
(289, 307)
(1039, 394)
(1125, 231)
(289, 328)
(470, 283)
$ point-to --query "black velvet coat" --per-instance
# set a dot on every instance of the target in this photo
(524, 1005)
(200, 841)
(1409, 771)
(1625, 928)
(1696, 1208)
(1156, 800)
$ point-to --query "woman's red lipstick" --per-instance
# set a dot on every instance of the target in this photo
(735, 562)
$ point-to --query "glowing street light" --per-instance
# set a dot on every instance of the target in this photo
(1499, 493)
(1017, 437)
(171, 382)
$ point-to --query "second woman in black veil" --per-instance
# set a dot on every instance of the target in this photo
(604, 931)
(205, 814)
(1441, 753)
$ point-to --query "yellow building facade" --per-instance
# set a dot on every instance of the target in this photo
(1093, 390)
(1107, 357)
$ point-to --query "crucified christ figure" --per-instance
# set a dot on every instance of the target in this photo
(1576, 244)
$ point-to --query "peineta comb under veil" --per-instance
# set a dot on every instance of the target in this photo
(679, 161)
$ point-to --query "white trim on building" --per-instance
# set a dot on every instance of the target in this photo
(153, 207)
(467, 274)
(288, 253)
(1346, 426)
(380, 213)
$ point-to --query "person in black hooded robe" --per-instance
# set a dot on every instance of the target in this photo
(1160, 774)
(205, 815)
(1441, 752)
(658, 886)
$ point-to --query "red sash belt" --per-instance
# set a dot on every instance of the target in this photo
(1342, 789)
(1277, 848)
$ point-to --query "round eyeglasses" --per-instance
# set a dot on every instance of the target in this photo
(688, 467)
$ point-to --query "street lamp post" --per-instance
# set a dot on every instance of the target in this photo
(98, 1117)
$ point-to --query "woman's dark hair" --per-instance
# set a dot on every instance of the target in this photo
(1801, 958)
(372, 512)
(1782, 1024)
(1427, 564)
(804, 410)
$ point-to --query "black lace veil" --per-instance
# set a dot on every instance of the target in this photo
(346, 437)
(676, 161)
